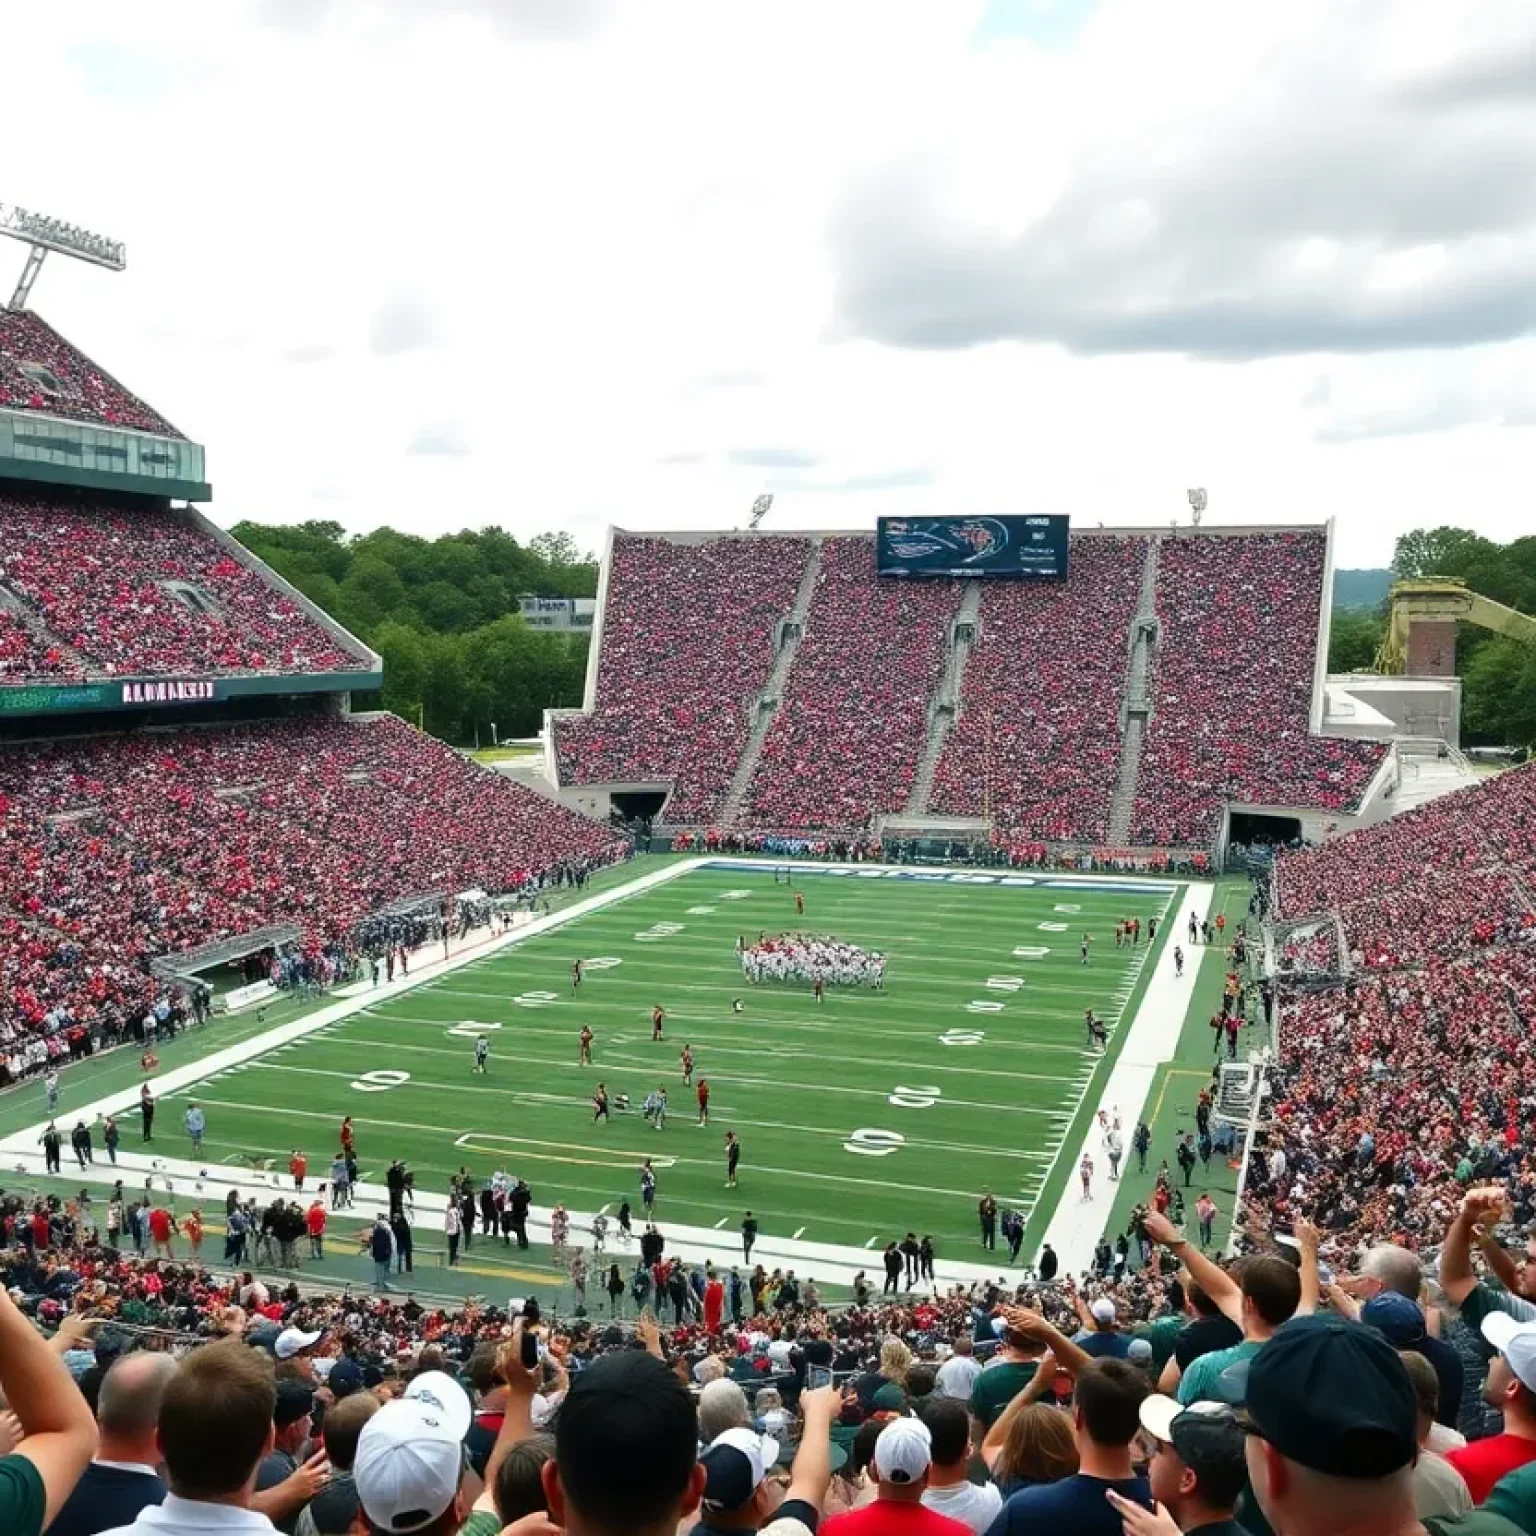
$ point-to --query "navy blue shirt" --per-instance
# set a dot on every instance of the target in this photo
(1075, 1506)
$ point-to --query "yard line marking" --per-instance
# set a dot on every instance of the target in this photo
(725, 1219)
(796, 1237)
(602, 1210)
(871, 1243)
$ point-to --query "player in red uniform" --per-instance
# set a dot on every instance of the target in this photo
(584, 1056)
(658, 1017)
(703, 1101)
(818, 988)
(799, 903)
(687, 1060)
(347, 1149)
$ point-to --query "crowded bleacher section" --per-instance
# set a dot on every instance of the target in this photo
(1233, 688)
(1036, 744)
(866, 670)
(687, 645)
(40, 371)
(123, 590)
(118, 849)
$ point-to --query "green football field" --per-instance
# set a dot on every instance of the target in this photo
(861, 1118)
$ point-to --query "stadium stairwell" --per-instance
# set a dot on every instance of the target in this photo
(767, 701)
(945, 706)
(1137, 705)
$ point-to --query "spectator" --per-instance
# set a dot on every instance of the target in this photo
(722, 1406)
(1438, 1488)
(1511, 1388)
(1198, 1471)
(333, 1509)
(121, 1480)
(409, 1464)
(1105, 1418)
(950, 1490)
(1004, 1376)
(957, 1376)
(215, 1427)
(626, 1451)
(902, 1465)
(281, 1478)
(1035, 1445)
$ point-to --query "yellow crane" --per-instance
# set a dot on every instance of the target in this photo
(1440, 599)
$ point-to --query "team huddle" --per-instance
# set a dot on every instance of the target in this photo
(811, 957)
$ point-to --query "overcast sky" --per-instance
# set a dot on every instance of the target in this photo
(561, 263)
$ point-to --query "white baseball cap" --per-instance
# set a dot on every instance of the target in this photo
(903, 1451)
(1103, 1310)
(293, 1341)
(409, 1462)
(1516, 1342)
(439, 1391)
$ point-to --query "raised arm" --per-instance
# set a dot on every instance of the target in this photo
(1211, 1278)
(812, 1469)
(1307, 1238)
(59, 1434)
(1456, 1277)
(1032, 1391)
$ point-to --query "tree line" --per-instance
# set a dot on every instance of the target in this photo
(1498, 674)
(443, 613)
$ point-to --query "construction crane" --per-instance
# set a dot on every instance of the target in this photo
(1443, 600)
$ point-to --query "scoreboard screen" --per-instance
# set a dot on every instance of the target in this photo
(1032, 546)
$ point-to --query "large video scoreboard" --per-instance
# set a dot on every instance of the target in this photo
(1028, 546)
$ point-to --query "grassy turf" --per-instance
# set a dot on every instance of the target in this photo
(987, 1110)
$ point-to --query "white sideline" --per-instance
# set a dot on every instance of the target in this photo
(1076, 1224)
(827, 1262)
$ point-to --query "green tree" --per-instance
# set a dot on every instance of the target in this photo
(1354, 639)
(1499, 694)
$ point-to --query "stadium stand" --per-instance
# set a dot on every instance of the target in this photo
(1234, 676)
(135, 590)
(844, 745)
(118, 849)
(1036, 743)
(40, 371)
(686, 648)
(1436, 880)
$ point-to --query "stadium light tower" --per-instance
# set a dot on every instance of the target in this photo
(1198, 501)
(43, 234)
(760, 509)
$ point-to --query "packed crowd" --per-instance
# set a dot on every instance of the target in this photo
(687, 646)
(1437, 880)
(865, 673)
(1233, 689)
(1036, 744)
(1276, 1395)
(116, 850)
(62, 381)
(110, 579)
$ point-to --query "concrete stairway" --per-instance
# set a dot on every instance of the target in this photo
(944, 707)
(766, 705)
(1136, 705)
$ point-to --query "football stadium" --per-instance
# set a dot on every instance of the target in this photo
(937, 940)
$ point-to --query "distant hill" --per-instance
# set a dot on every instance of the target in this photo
(1360, 589)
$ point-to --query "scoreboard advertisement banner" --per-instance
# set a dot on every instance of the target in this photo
(1029, 546)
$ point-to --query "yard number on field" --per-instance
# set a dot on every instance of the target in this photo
(871, 1143)
(380, 1081)
(924, 1096)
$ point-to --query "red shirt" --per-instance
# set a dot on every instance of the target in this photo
(160, 1225)
(703, 1093)
(1484, 1462)
(892, 1517)
(314, 1219)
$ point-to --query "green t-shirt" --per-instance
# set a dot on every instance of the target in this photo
(1481, 1522)
(22, 1497)
(997, 1386)
(1199, 1381)
(1161, 1334)
(1484, 1298)
(483, 1522)
(1514, 1497)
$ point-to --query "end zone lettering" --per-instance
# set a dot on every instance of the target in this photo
(168, 692)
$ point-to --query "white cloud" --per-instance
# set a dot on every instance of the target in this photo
(605, 251)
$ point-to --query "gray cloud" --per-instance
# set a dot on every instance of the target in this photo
(773, 458)
(446, 440)
(881, 480)
(402, 325)
(1443, 413)
(1272, 228)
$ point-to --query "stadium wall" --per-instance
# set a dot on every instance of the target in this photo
(1324, 630)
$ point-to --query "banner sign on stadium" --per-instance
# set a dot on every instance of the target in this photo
(37, 701)
(1033, 546)
(168, 691)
